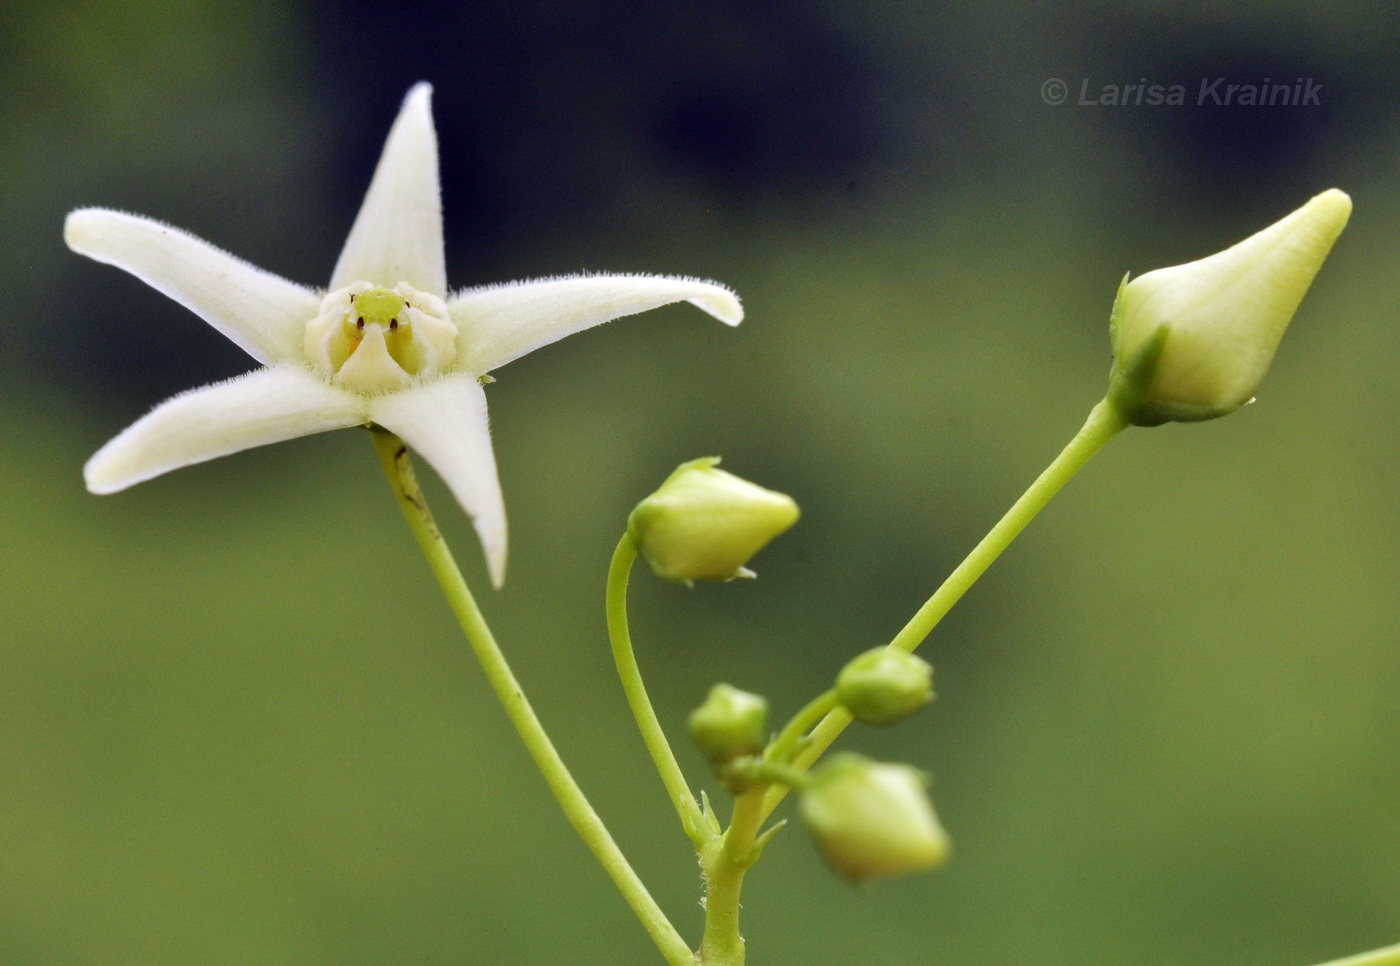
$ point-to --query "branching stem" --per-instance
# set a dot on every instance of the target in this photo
(1104, 422)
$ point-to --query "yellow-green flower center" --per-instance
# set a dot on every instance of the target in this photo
(368, 338)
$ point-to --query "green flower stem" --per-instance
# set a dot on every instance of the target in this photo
(753, 772)
(725, 860)
(1389, 956)
(1105, 421)
(682, 799)
(393, 456)
(786, 744)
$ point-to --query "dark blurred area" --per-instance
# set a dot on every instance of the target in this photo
(236, 723)
(563, 111)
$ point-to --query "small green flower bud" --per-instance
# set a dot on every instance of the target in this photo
(873, 820)
(730, 724)
(884, 685)
(1194, 341)
(705, 524)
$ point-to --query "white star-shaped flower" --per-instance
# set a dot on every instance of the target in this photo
(386, 345)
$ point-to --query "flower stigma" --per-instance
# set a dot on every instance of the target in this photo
(371, 339)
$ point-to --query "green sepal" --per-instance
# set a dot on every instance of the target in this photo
(699, 463)
(756, 851)
(708, 811)
(1115, 316)
(696, 823)
(1128, 384)
(1155, 414)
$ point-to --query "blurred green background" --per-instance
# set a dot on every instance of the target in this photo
(238, 726)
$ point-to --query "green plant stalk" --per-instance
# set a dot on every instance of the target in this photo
(755, 772)
(1389, 956)
(725, 860)
(619, 573)
(394, 458)
(1105, 421)
(787, 743)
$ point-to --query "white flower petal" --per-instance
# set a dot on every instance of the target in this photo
(265, 406)
(397, 235)
(445, 421)
(498, 323)
(264, 314)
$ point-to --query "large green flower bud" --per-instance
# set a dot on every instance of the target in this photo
(705, 524)
(1194, 341)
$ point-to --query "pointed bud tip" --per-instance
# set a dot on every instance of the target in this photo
(1325, 215)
